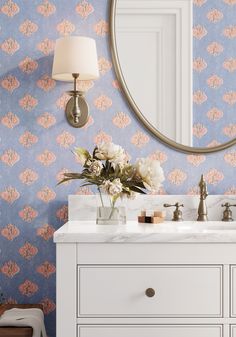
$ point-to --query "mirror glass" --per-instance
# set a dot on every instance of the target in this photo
(177, 61)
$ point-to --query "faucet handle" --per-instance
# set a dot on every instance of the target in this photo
(177, 214)
(227, 214)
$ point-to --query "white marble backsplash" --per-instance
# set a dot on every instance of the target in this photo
(84, 207)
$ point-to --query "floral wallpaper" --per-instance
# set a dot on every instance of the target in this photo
(36, 141)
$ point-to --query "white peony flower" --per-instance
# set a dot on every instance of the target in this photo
(111, 152)
(95, 167)
(151, 173)
(113, 187)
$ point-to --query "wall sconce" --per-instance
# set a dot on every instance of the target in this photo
(75, 57)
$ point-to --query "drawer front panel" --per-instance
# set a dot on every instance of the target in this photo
(233, 330)
(233, 291)
(150, 331)
(180, 291)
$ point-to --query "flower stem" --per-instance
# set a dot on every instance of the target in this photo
(101, 196)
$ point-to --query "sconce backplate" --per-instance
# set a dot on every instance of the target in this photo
(84, 110)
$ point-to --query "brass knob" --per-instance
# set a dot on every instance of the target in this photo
(150, 292)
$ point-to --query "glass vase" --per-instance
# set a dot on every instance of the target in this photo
(111, 215)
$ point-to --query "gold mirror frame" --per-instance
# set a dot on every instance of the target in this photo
(165, 140)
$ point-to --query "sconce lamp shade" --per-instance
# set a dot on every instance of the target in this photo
(75, 55)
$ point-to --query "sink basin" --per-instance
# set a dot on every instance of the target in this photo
(195, 226)
(223, 227)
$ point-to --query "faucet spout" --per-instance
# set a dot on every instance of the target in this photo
(202, 208)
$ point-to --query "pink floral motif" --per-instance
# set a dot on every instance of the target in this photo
(28, 28)
(213, 143)
(230, 2)
(10, 8)
(10, 157)
(84, 191)
(230, 158)
(28, 214)
(10, 300)
(62, 101)
(193, 191)
(28, 288)
(46, 46)
(230, 32)
(60, 176)
(101, 28)
(103, 102)
(230, 97)
(104, 65)
(215, 48)
(139, 139)
(102, 137)
(28, 251)
(215, 15)
(84, 9)
(10, 83)
(230, 64)
(116, 84)
(10, 269)
(213, 176)
(10, 232)
(28, 66)
(10, 120)
(62, 213)
(199, 32)
(199, 3)
(89, 123)
(231, 191)
(10, 194)
(85, 85)
(215, 81)
(65, 139)
(196, 160)
(199, 97)
(46, 8)
(199, 130)
(230, 130)
(177, 177)
(199, 64)
(28, 177)
(160, 156)
(46, 269)
(10, 46)
(28, 139)
(215, 114)
(46, 120)
(46, 232)
(46, 83)
(28, 102)
(121, 120)
(48, 306)
(46, 158)
(65, 28)
(46, 194)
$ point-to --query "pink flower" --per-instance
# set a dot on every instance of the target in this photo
(101, 28)
(215, 15)
(199, 130)
(46, 269)
(28, 251)
(199, 3)
(10, 269)
(84, 191)
(65, 28)
(46, 158)
(46, 83)
(28, 214)
(103, 102)
(230, 158)
(177, 177)
(230, 130)
(199, 97)
(121, 120)
(84, 9)
(230, 97)
(46, 232)
(28, 177)
(215, 48)
(28, 66)
(28, 288)
(65, 139)
(89, 122)
(230, 2)
(160, 156)
(10, 46)
(231, 191)
(10, 194)
(46, 46)
(214, 81)
(102, 137)
(10, 8)
(10, 83)
(139, 139)
(46, 8)
(10, 120)
(230, 64)
(48, 306)
(62, 101)
(62, 213)
(213, 143)
(28, 139)
(46, 194)
(116, 84)
(10, 232)
(199, 64)
(104, 65)
(213, 176)
(28, 102)
(60, 176)
(230, 32)
(215, 114)
(85, 85)
(10, 157)
(199, 32)
(46, 120)
(193, 191)
(196, 160)
(28, 28)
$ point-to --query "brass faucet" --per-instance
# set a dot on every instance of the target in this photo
(202, 208)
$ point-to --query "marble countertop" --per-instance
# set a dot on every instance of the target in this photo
(132, 232)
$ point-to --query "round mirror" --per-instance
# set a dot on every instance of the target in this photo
(178, 80)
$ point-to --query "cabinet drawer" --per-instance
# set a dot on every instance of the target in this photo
(180, 291)
(233, 291)
(233, 331)
(151, 331)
